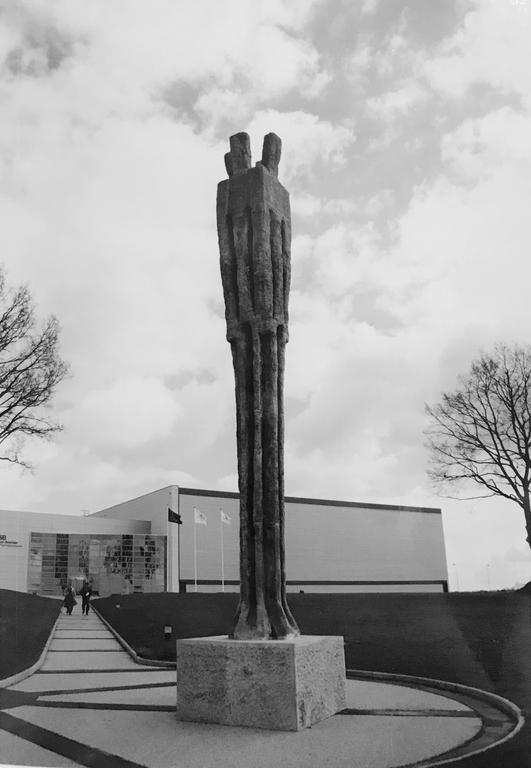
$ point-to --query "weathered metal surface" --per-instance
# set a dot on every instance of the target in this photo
(254, 230)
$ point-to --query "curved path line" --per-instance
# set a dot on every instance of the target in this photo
(87, 662)
(61, 745)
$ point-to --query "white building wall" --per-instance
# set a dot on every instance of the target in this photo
(208, 537)
(340, 543)
(325, 542)
(153, 507)
(17, 527)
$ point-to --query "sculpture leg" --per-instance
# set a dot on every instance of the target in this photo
(251, 618)
(262, 611)
(282, 623)
(281, 347)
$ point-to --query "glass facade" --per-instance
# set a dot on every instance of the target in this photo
(114, 564)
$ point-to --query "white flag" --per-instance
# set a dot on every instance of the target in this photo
(225, 518)
(199, 517)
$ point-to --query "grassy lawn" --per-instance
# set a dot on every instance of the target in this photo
(479, 639)
(25, 625)
(140, 619)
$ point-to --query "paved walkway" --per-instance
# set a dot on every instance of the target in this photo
(91, 705)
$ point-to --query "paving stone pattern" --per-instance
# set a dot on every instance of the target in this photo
(91, 705)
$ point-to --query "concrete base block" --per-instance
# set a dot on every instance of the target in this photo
(283, 685)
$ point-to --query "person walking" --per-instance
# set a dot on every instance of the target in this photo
(86, 593)
(69, 600)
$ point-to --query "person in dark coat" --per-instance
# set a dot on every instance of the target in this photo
(86, 593)
(69, 600)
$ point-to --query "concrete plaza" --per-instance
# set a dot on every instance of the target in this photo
(90, 704)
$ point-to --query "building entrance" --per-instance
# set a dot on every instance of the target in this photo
(129, 563)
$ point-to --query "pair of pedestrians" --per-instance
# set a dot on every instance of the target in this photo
(70, 600)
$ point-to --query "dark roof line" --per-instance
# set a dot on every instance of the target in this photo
(327, 502)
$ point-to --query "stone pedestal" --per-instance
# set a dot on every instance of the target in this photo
(281, 685)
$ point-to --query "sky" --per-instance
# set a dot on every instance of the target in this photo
(406, 130)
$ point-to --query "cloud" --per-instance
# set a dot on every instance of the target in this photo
(407, 160)
(440, 278)
(485, 544)
(307, 205)
(490, 47)
(370, 6)
(229, 45)
(494, 142)
(223, 110)
(309, 142)
(129, 412)
(341, 259)
(395, 103)
(470, 245)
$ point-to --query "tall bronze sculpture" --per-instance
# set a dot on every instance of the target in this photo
(244, 679)
(254, 230)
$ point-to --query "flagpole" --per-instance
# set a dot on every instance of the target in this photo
(195, 553)
(179, 557)
(222, 563)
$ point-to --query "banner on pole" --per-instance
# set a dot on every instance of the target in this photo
(225, 518)
(199, 517)
(174, 517)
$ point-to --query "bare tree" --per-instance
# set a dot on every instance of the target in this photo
(482, 431)
(30, 369)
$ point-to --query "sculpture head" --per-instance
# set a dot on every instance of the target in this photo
(238, 160)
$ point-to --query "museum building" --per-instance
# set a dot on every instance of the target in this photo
(184, 539)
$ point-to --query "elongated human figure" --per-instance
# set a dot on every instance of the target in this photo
(253, 218)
